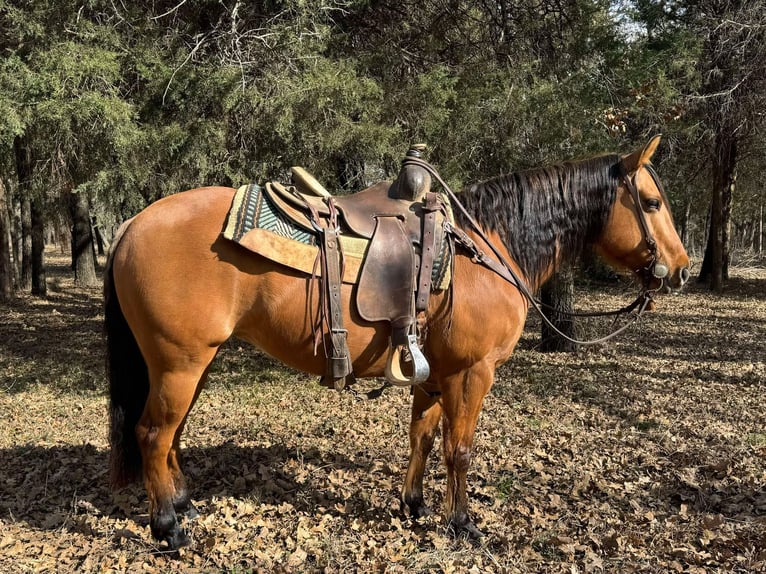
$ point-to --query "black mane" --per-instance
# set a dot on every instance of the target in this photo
(534, 211)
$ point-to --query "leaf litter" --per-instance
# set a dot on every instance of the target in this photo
(642, 455)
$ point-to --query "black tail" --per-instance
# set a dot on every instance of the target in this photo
(128, 387)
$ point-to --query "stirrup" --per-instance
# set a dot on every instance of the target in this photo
(420, 369)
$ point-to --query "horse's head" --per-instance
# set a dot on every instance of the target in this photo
(639, 234)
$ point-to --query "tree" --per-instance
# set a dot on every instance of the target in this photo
(39, 283)
(557, 294)
(83, 251)
(732, 97)
(32, 221)
(6, 271)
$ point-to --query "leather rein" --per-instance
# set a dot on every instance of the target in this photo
(502, 268)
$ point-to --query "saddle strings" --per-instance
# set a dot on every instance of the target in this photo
(504, 269)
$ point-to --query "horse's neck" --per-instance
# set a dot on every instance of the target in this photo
(546, 216)
(483, 237)
(559, 262)
(534, 282)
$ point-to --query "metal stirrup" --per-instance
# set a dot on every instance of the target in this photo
(420, 369)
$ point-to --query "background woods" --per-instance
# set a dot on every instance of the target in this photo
(106, 107)
(643, 455)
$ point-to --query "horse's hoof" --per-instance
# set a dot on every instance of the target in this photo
(420, 511)
(466, 530)
(164, 527)
(417, 509)
(178, 539)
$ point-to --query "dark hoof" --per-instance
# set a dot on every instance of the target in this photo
(466, 530)
(420, 511)
(165, 528)
(417, 508)
(178, 539)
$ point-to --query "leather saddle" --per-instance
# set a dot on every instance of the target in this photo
(403, 221)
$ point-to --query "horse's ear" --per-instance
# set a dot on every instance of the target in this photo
(642, 157)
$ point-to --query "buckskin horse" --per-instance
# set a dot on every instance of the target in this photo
(175, 291)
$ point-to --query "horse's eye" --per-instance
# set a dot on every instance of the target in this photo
(652, 204)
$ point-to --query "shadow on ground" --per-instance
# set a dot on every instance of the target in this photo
(47, 487)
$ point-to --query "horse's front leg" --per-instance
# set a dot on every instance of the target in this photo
(426, 413)
(462, 398)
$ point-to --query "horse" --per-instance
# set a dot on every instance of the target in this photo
(176, 290)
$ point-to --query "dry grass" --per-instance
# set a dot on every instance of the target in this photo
(644, 455)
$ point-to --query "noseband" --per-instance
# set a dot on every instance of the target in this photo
(654, 268)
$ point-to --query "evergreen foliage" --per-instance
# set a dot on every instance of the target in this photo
(127, 103)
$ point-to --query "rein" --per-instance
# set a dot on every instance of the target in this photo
(502, 268)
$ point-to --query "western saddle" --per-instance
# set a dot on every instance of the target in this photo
(404, 223)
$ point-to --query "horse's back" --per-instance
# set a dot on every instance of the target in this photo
(198, 212)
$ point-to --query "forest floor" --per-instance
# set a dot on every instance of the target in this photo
(646, 454)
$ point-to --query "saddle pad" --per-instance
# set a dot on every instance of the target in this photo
(250, 211)
(257, 225)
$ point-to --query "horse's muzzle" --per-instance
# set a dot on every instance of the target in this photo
(677, 279)
(659, 278)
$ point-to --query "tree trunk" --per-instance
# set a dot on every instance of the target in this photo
(25, 282)
(707, 259)
(99, 237)
(83, 260)
(6, 268)
(727, 195)
(715, 265)
(558, 293)
(24, 173)
(760, 232)
(685, 224)
(16, 240)
(14, 226)
(39, 284)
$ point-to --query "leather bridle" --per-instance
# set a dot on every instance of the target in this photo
(502, 268)
(654, 268)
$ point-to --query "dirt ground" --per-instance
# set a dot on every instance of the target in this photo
(646, 454)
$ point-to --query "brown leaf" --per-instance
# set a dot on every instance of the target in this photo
(712, 521)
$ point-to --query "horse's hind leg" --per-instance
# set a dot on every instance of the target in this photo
(171, 395)
(182, 498)
(426, 414)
